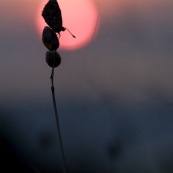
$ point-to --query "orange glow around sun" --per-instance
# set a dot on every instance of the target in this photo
(79, 16)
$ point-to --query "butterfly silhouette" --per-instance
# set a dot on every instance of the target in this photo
(52, 16)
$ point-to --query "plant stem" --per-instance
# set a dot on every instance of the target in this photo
(57, 121)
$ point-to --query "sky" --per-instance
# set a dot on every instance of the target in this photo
(116, 89)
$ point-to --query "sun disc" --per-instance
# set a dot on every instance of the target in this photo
(79, 16)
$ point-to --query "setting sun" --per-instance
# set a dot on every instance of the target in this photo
(80, 17)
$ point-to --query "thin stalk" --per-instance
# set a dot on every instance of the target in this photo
(57, 120)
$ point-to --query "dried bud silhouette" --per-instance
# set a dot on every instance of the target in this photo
(52, 16)
(53, 58)
(50, 39)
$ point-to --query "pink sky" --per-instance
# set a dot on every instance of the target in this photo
(26, 11)
(130, 37)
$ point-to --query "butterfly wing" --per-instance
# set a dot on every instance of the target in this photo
(52, 15)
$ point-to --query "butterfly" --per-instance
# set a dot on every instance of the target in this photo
(52, 16)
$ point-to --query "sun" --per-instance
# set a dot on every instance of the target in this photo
(79, 16)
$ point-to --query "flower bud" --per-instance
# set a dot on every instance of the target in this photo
(50, 39)
(53, 58)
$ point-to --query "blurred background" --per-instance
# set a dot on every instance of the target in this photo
(114, 95)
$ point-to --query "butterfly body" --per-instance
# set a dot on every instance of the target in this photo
(52, 16)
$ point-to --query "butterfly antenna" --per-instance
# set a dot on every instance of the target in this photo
(70, 33)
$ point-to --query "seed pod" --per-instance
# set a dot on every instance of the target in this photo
(50, 39)
(53, 58)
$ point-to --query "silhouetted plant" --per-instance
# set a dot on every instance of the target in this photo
(52, 16)
(53, 59)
